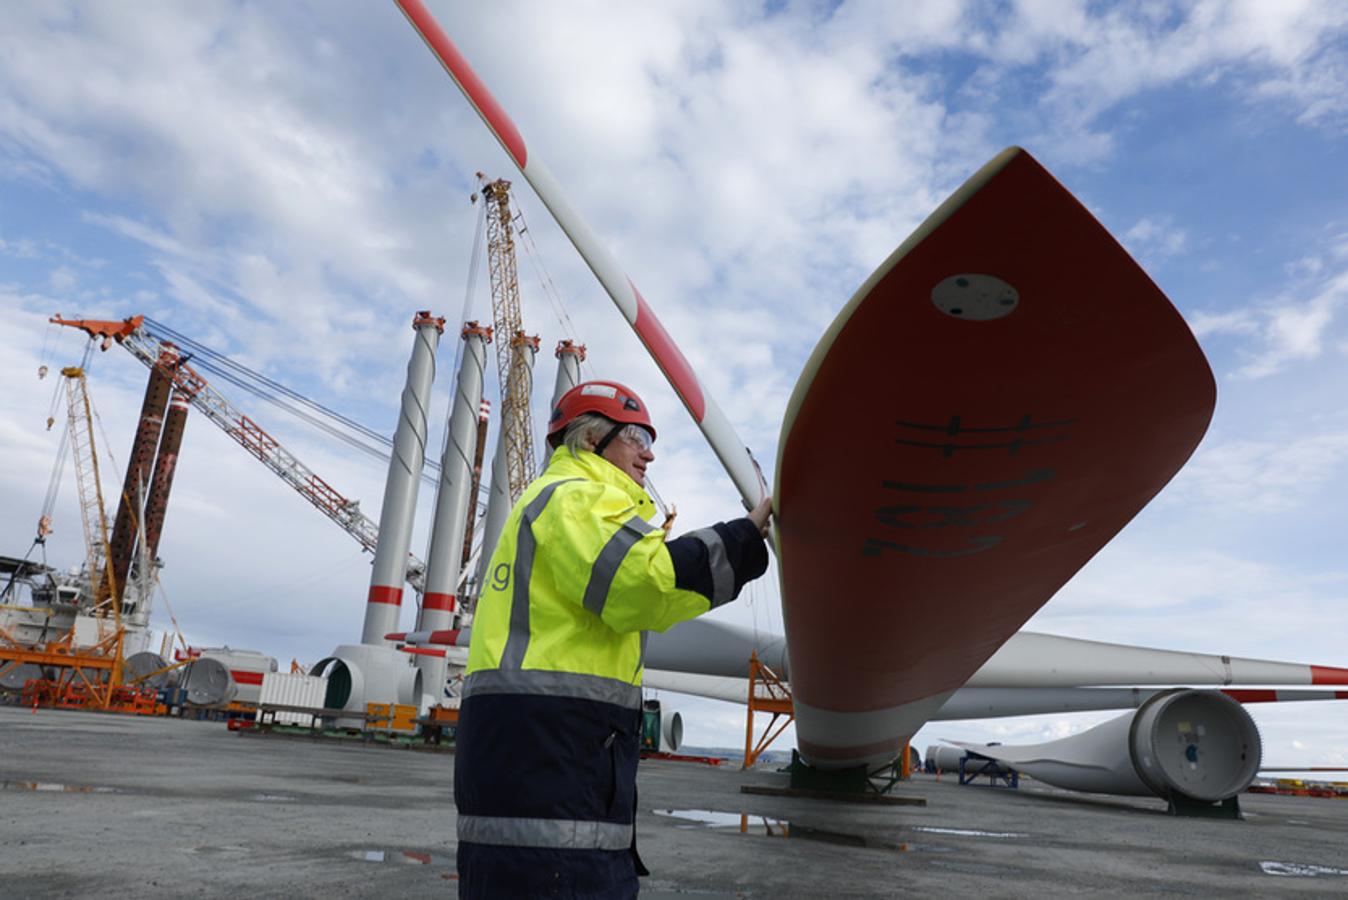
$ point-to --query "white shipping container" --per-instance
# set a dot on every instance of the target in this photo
(285, 689)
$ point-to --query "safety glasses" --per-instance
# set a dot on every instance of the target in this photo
(637, 436)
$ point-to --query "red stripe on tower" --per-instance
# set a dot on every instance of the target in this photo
(390, 595)
(458, 68)
(1328, 675)
(438, 601)
(668, 357)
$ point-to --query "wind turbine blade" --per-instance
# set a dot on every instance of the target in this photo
(725, 443)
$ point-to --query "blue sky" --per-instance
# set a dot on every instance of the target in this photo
(289, 183)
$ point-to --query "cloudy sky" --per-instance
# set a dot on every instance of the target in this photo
(288, 183)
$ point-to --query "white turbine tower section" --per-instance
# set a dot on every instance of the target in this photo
(499, 500)
(569, 357)
(444, 555)
(400, 489)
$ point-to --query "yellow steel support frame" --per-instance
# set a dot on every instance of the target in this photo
(768, 694)
(508, 321)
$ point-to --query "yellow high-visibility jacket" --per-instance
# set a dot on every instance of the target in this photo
(578, 574)
(545, 765)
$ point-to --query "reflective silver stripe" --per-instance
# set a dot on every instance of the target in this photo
(517, 642)
(722, 576)
(568, 834)
(610, 558)
(552, 684)
(641, 660)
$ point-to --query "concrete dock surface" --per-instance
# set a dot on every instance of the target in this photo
(111, 806)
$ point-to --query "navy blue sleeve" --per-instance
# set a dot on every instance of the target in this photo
(717, 562)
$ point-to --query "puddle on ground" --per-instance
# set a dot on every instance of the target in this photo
(1299, 870)
(967, 832)
(751, 824)
(55, 787)
(710, 818)
(397, 857)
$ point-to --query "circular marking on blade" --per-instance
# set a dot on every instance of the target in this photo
(978, 298)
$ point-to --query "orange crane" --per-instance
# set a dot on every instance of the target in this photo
(163, 356)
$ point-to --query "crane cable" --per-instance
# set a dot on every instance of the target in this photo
(568, 326)
(220, 366)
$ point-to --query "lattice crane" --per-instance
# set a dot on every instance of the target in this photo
(89, 482)
(155, 353)
(514, 374)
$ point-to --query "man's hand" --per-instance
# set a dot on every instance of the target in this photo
(759, 515)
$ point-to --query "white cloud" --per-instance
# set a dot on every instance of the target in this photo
(61, 279)
(1244, 477)
(289, 186)
(1156, 236)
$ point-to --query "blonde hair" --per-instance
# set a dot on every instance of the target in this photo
(585, 431)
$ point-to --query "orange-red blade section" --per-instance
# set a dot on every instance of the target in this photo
(1008, 393)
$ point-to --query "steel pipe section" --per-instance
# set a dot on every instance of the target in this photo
(207, 682)
(400, 489)
(146, 663)
(1197, 744)
(360, 674)
(569, 357)
(444, 553)
(499, 500)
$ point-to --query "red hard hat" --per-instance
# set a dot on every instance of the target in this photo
(608, 398)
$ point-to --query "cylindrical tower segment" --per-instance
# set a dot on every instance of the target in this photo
(569, 357)
(500, 499)
(400, 489)
(138, 469)
(443, 557)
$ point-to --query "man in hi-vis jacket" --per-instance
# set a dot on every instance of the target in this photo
(549, 728)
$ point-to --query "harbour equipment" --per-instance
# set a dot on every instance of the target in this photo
(165, 465)
(483, 417)
(970, 765)
(720, 434)
(289, 698)
(105, 578)
(389, 569)
(505, 474)
(514, 370)
(767, 693)
(661, 729)
(206, 682)
(151, 670)
(444, 555)
(569, 357)
(246, 668)
(374, 671)
(133, 335)
(139, 472)
(1195, 749)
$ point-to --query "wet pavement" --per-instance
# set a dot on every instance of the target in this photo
(120, 807)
